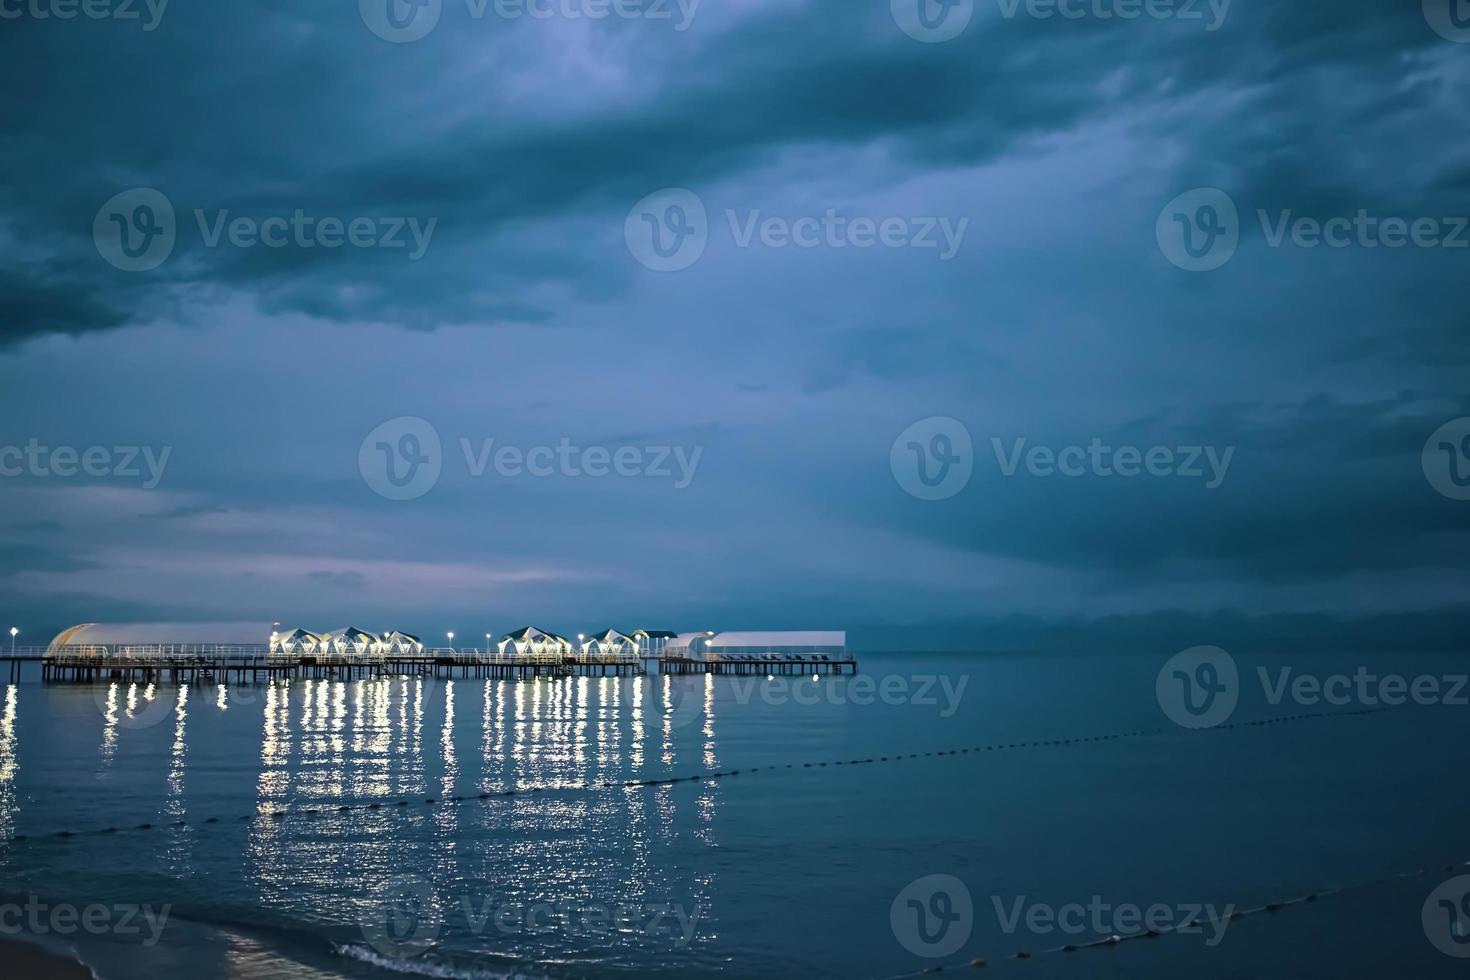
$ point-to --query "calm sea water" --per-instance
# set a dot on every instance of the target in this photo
(773, 872)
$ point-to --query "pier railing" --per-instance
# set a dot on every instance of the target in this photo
(263, 655)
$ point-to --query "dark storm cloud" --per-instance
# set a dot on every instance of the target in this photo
(527, 143)
(1318, 488)
(305, 109)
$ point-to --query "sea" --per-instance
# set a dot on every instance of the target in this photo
(1031, 815)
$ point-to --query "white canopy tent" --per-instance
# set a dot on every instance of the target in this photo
(530, 640)
(158, 637)
(350, 641)
(297, 641)
(398, 642)
(609, 643)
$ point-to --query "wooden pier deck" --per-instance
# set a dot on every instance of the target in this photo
(254, 666)
(242, 667)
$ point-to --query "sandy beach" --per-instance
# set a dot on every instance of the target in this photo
(24, 961)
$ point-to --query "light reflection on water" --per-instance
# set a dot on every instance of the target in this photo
(321, 743)
(790, 871)
(109, 729)
(9, 763)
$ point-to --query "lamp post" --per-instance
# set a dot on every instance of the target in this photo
(451, 641)
(13, 634)
(487, 644)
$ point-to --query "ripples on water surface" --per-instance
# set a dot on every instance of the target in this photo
(769, 873)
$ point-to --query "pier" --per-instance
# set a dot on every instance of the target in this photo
(241, 665)
(769, 664)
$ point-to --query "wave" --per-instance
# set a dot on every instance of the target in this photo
(423, 967)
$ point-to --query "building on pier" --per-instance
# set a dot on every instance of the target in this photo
(396, 643)
(609, 643)
(651, 643)
(530, 640)
(296, 643)
(159, 639)
(688, 646)
(351, 641)
(797, 643)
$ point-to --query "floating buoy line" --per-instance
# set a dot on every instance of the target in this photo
(1235, 915)
(328, 808)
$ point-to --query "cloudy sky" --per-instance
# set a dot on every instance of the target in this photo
(729, 284)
